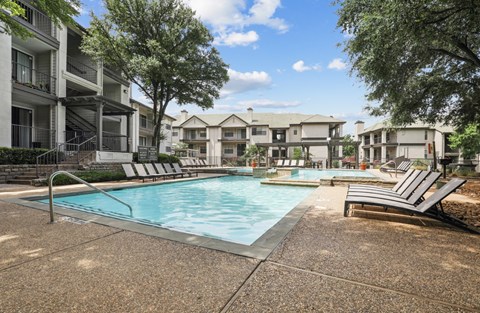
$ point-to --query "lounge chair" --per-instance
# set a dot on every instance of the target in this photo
(431, 207)
(280, 163)
(178, 170)
(161, 170)
(151, 171)
(409, 177)
(293, 163)
(185, 163)
(129, 172)
(404, 191)
(286, 163)
(170, 171)
(401, 168)
(413, 194)
(142, 174)
(301, 163)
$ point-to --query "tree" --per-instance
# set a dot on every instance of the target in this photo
(161, 47)
(59, 11)
(348, 146)
(253, 152)
(468, 141)
(419, 59)
(297, 153)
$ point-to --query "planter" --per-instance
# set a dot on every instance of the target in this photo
(363, 166)
(254, 164)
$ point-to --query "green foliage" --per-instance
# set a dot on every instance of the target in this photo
(348, 146)
(419, 59)
(89, 176)
(297, 153)
(19, 155)
(253, 152)
(59, 11)
(468, 141)
(163, 48)
(336, 164)
(162, 158)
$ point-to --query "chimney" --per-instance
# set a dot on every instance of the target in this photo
(184, 116)
(249, 115)
(359, 127)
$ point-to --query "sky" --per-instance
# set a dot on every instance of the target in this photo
(283, 56)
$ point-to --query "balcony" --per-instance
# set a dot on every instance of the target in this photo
(146, 125)
(32, 78)
(82, 70)
(32, 137)
(242, 137)
(38, 23)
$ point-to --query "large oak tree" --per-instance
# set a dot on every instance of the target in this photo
(420, 59)
(163, 48)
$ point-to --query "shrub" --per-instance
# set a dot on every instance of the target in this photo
(19, 155)
(89, 176)
(162, 158)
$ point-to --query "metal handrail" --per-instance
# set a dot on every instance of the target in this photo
(50, 192)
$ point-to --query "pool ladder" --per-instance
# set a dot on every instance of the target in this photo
(50, 191)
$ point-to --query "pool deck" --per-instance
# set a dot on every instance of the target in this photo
(327, 263)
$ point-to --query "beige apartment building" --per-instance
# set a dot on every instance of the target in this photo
(223, 138)
(380, 142)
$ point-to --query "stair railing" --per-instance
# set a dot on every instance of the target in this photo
(50, 192)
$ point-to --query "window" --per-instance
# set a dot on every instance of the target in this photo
(258, 131)
(228, 134)
(203, 150)
(426, 135)
(168, 149)
(142, 141)
(228, 150)
(203, 134)
(295, 132)
(175, 134)
(168, 126)
(22, 65)
(143, 121)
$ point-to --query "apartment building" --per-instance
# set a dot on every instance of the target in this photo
(52, 95)
(143, 128)
(221, 138)
(382, 142)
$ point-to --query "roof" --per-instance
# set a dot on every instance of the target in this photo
(273, 120)
(149, 107)
(387, 125)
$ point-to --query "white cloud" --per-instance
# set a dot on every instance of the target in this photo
(337, 64)
(242, 82)
(300, 66)
(236, 39)
(267, 103)
(229, 17)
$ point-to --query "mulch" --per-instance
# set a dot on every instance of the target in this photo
(467, 212)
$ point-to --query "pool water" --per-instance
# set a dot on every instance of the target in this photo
(232, 208)
(312, 174)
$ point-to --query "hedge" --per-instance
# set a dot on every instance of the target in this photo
(89, 176)
(162, 158)
(19, 155)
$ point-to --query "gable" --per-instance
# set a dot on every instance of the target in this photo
(233, 121)
(194, 122)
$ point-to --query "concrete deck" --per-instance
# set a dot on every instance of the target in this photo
(327, 263)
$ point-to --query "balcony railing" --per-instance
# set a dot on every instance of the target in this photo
(32, 78)
(234, 138)
(37, 19)
(32, 137)
(195, 138)
(82, 70)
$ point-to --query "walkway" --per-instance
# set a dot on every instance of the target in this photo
(328, 263)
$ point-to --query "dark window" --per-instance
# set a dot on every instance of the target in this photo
(174, 134)
(295, 132)
(22, 65)
(426, 135)
(228, 151)
(203, 150)
(168, 149)
(258, 131)
(228, 134)
(143, 121)
(168, 126)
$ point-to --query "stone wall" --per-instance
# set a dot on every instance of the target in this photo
(117, 167)
(8, 172)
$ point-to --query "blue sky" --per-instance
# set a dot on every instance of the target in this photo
(283, 57)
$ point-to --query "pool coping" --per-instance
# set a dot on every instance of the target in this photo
(260, 249)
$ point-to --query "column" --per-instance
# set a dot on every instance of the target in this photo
(99, 126)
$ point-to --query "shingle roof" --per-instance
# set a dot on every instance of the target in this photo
(273, 120)
(386, 125)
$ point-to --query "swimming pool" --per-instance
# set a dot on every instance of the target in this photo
(312, 174)
(231, 208)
